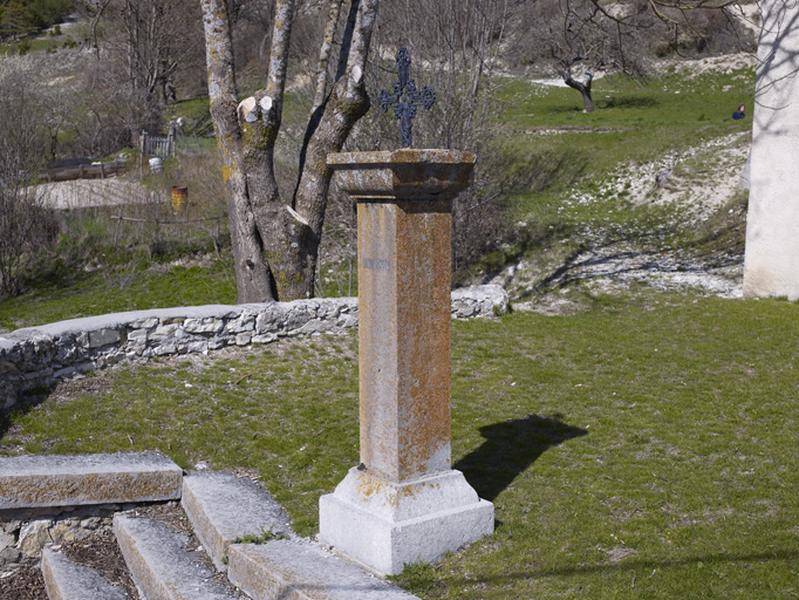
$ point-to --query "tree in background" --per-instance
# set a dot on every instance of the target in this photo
(25, 226)
(149, 43)
(580, 37)
(275, 236)
(21, 17)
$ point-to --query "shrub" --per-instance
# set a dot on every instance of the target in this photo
(27, 229)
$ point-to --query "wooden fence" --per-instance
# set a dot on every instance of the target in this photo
(93, 171)
(162, 146)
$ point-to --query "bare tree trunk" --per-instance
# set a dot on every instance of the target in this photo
(253, 282)
(276, 244)
(584, 87)
(324, 53)
(348, 103)
(285, 234)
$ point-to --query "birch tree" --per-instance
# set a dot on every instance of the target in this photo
(275, 239)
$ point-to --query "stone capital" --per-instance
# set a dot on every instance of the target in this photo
(408, 174)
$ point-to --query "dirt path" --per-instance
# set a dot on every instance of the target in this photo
(92, 193)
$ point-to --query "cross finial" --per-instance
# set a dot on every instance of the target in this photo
(405, 97)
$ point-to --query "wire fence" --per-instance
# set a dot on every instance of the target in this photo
(160, 232)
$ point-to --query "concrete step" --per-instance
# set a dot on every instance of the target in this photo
(51, 481)
(68, 580)
(224, 509)
(299, 570)
(161, 565)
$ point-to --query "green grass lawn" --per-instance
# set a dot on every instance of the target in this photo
(633, 121)
(646, 448)
(116, 291)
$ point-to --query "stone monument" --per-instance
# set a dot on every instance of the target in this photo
(771, 266)
(404, 503)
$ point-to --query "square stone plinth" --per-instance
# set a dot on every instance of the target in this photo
(386, 526)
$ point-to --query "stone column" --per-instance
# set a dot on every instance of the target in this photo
(771, 266)
(404, 503)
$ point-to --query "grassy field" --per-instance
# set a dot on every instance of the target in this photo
(634, 122)
(569, 152)
(646, 448)
(129, 289)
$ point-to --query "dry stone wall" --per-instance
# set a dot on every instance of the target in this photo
(40, 356)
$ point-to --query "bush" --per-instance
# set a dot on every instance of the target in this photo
(27, 229)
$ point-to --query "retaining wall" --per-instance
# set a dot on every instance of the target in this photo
(41, 356)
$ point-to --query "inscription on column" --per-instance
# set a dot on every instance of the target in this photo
(376, 264)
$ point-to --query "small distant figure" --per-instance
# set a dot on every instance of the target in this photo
(662, 177)
(739, 114)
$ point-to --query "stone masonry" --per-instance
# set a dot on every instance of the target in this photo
(41, 356)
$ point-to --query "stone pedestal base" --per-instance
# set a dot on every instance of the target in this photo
(386, 526)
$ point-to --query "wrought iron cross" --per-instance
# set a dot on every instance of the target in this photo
(406, 98)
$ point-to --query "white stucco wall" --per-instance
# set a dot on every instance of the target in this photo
(771, 265)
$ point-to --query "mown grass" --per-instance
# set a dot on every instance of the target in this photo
(646, 448)
(121, 289)
(633, 121)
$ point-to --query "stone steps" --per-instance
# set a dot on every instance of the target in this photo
(67, 580)
(298, 570)
(55, 481)
(161, 565)
(227, 514)
(223, 509)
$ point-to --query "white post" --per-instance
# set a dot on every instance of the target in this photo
(771, 265)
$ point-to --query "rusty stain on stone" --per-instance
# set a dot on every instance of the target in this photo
(404, 268)
(369, 485)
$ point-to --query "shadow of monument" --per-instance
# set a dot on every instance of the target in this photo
(509, 449)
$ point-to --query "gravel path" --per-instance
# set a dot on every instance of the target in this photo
(92, 193)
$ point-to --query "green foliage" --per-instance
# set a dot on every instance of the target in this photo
(641, 449)
(28, 16)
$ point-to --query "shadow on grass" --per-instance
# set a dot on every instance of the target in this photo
(24, 404)
(510, 448)
(633, 565)
(629, 102)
